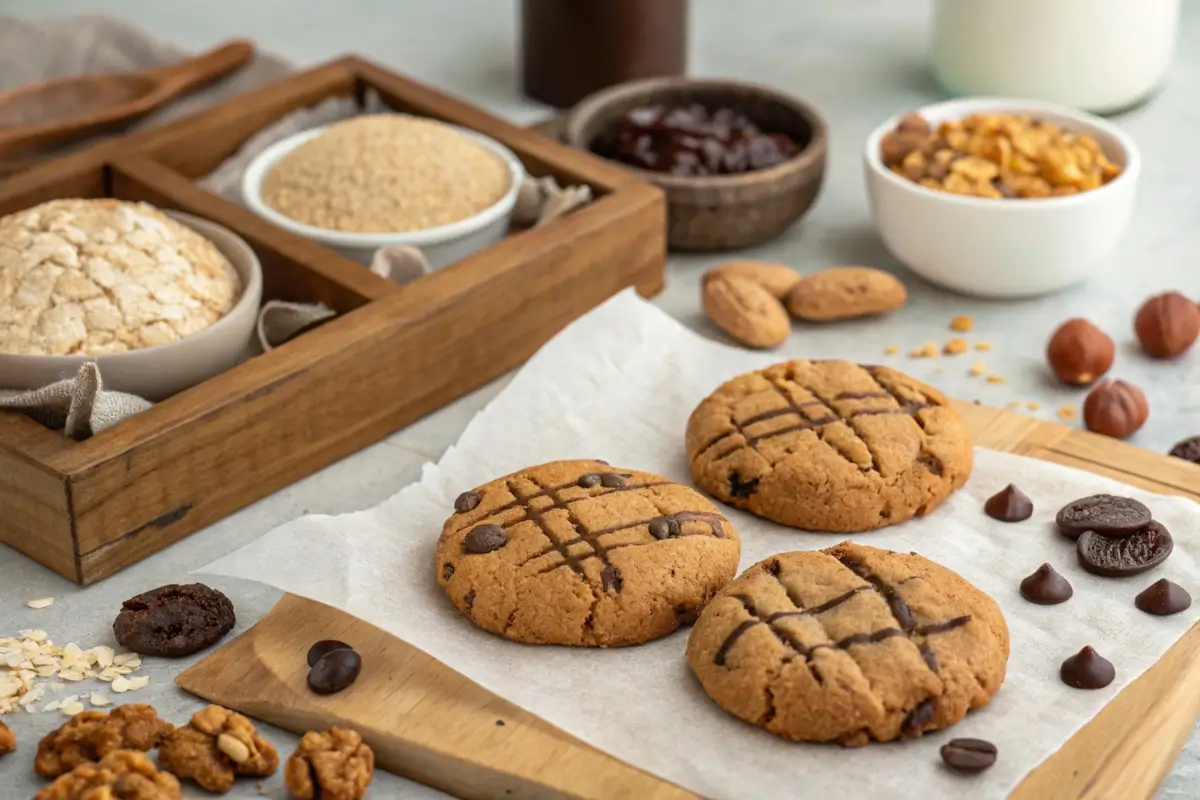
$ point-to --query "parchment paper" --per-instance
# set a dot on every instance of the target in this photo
(618, 385)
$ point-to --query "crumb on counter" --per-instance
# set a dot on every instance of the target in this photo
(983, 347)
(1067, 412)
(978, 368)
(995, 379)
(955, 347)
(962, 324)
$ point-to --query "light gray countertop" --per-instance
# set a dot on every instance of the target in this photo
(859, 63)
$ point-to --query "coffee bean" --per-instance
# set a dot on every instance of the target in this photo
(1103, 513)
(969, 755)
(484, 539)
(466, 502)
(335, 671)
(1009, 505)
(323, 648)
(611, 480)
(588, 481)
(1087, 669)
(664, 528)
(1163, 598)
(1116, 557)
(1046, 587)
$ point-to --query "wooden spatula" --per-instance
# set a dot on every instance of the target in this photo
(65, 108)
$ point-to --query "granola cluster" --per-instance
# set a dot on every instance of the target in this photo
(997, 156)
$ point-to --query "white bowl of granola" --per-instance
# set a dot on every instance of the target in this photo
(1001, 197)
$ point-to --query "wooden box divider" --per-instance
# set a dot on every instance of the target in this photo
(394, 353)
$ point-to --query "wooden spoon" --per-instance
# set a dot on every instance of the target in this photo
(66, 108)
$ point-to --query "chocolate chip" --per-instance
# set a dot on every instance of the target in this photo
(740, 488)
(1118, 556)
(1087, 669)
(664, 527)
(499, 723)
(969, 755)
(611, 480)
(1010, 504)
(588, 481)
(469, 600)
(447, 571)
(335, 671)
(1102, 513)
(918, 718)
(902, 612)
(1163, 598)
(1046, 587)
(1188, 449)
(931, 463)
(930, 658)
(484, 539)
(686, 615)
(323, 648)
(610, 579)
(774, 567)
(466, 501)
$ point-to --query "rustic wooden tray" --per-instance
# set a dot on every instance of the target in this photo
(429, 723)
(87, 509)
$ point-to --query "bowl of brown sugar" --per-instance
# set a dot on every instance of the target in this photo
(380, 180)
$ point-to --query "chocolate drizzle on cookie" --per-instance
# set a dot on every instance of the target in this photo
(906, 624)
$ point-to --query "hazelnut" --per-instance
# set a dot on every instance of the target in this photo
(1079, 352)
(1116, 409)
(1167, 325)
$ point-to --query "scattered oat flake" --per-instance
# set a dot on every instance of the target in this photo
(140, 682)
(962, 324)
(41, 602)
(99, 700)
(132, 660)
(995, 379)
(891, 349)
(982, 347)
(1067, 412)
(51, 706)
(927, 350)
(120, 684)
(978, 368)
(955, 347)
(72, 708)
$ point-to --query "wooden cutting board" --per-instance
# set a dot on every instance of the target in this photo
(428, 723)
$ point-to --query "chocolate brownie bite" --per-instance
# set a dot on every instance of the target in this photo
(175, 620)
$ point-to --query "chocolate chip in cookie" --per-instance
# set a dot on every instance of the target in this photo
(175, 620)
(333, 765)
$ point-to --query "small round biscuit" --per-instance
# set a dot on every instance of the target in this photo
(851, 645)
(829, 445)
(583, 553)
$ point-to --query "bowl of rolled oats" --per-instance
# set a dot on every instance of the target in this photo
(1000, 197)
(381, 180)
(159, 300)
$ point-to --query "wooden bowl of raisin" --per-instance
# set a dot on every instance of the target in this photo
(739, 163)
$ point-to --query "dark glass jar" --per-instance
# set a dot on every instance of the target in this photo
(571, 48)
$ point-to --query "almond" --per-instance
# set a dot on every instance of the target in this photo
(745, 310)
(845, 292)
(775, 278)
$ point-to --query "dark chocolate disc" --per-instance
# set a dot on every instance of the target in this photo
(1102, 513)
(1118, 556)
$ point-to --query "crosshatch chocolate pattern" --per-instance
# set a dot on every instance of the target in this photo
(828, 445)
(898, 692)
(554, 534)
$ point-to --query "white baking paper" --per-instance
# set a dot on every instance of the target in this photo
(618, 385)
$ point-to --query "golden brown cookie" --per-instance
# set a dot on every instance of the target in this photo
(851, 644)
(583, 553)
(120, 775)
(777, 279)
(216, 747)
(828, 445)
(91, 735)
(845, 292)
(334, 765)
(745, 310)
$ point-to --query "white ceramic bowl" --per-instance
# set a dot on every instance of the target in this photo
(158, 372)
(442, 245)
(1003, 248)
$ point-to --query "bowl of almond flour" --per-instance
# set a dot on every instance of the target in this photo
(380, 180)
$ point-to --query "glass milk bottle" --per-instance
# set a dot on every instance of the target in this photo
(1102, 56)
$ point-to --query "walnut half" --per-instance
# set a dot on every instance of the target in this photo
(215, 747)
(91, 735)
(334, 765)
(120, 775)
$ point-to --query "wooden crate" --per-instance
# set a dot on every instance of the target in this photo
(394, 353)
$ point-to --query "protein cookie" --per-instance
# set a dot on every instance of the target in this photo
(850, 644)
(829, 445)
(583, 553)
(174, 620)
